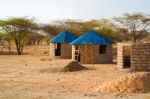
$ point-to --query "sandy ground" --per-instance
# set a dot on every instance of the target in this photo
(35, 76)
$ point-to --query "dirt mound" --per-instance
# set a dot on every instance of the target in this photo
(71, 67)
(132, 83)
(74, 66)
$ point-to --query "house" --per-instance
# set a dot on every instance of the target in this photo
(92, 48)
(60, 47)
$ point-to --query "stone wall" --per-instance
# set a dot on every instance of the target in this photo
(140, 56)
(66, 51)
(91, 52)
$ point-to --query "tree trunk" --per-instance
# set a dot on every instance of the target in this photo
(41, 42)
(38, 42)
(19, 50)
(18, 47)
(9, 47)
(134, 40)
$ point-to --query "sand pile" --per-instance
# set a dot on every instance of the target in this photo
(132, 83)
(74, 66)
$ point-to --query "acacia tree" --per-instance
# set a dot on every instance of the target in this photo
(52, 30)
(136, 24)
(18, 29)
(35, 38)
(103, 26)
(5, 40)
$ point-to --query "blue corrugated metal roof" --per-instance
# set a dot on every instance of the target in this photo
(63, 37)
(91, 37)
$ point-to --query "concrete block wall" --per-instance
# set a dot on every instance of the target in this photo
(140, 56)
(139, 52)
(122, 48)
(52, 49)
(66, 51)
(87, 54)
(73, 52)
(108, 57)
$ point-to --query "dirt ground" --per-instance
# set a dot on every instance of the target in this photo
(35, 76)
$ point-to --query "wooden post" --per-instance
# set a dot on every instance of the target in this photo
(85, 55)
(92, 55)
(78, 53)
(49, 48)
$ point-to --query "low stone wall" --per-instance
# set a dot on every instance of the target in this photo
(87, 55)
(140, 56)
(66, 51)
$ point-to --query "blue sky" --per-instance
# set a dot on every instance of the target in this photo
(47, 10)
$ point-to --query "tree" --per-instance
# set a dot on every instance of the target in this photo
(18, 29)
(136, 24)
(35, 38)
(52, 30)
(103, 26)
(5, 41)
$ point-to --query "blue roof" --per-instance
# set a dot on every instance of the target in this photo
(91, 37)
(63, 37)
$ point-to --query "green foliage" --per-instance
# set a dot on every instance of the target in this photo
(52, 30)
(105, 27)
(136, 25)
(35, 38)
(18, 28)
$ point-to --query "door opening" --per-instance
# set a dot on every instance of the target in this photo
(58, 49)
(126, 58)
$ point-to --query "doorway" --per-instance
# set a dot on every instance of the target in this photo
(126, 57)
(58, 49)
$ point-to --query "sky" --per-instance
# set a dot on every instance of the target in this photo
(51, 10)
